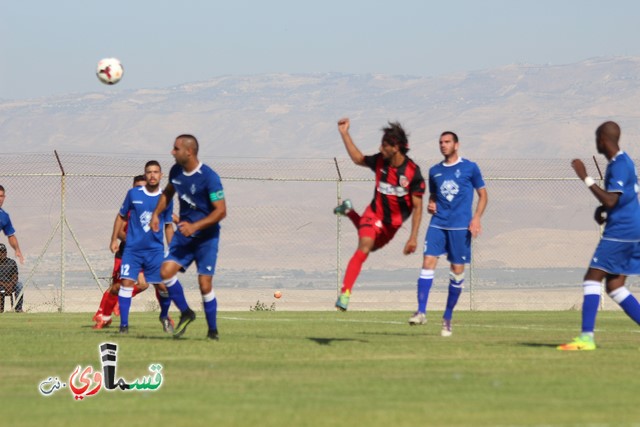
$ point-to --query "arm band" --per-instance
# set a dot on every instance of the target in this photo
(589, 181)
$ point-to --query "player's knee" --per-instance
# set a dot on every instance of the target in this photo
(170, 281)
(456, 277)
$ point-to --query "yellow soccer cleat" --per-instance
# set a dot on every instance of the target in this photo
(583, 342)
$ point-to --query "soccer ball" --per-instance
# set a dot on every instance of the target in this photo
(109, 71)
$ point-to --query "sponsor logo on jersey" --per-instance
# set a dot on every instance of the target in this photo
(449, 189)
(145, 219)
(188, 200)
(391, 190)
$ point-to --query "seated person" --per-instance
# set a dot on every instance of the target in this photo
(9, 284)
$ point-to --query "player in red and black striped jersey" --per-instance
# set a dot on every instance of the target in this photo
(397, 196)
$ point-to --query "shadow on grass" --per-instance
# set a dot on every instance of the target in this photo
(328, 341)
(538, 344)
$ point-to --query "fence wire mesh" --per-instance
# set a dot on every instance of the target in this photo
(280, 234)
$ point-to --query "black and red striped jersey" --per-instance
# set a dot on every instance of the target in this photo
(392, 201)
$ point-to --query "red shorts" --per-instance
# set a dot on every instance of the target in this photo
(371, 226)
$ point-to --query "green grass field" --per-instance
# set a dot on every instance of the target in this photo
(329, 369)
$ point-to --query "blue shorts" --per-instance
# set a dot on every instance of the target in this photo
(184, 250)
(617, 257)
(148, 261)
(455, 243)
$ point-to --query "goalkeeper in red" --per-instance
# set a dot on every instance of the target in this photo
(397, 196)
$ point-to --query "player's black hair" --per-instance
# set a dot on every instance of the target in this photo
(152, 163)
(192, 140)
(2, 188)
(395, 135)
(138, 178)
(448, 132)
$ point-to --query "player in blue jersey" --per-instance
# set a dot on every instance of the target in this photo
(452, 184)
(618, 252)
(202, 207)
(7, 228)
(144, 250)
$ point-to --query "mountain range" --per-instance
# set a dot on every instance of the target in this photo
(516, 111)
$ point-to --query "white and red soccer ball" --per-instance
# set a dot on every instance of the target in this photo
(109, 71)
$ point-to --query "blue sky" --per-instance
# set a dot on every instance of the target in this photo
(50, 48)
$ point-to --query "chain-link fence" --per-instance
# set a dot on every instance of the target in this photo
(280, 234)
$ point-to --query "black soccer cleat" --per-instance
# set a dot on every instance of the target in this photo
(186, 317)
(213, 335)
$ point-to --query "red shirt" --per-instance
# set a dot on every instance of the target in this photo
(395, 187)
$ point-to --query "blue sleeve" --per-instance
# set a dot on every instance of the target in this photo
(432, 183)
(124, 209)
(476, 177)
(8, 227)
(618, 176)
(167, 214)
(216, 192)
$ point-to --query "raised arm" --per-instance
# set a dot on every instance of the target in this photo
(356, 155)
(606, 198)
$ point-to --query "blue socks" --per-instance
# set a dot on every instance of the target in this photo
(124, 299)
(590, 305)
(424, 287)
(455, 289)
(164, 301)
(628, 302)
(176, 293)
(210, 304)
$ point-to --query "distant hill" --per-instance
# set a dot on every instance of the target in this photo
(517, 111)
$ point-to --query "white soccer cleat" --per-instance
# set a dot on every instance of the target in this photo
(418, 319)
(446, 328)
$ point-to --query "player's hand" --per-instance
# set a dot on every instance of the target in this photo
(114, 246)
(431, 207)
(154, 223)
(186, 228)
(343, 125)
(600, 215)
(579, 168)
(410, 247)
(474, 227)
